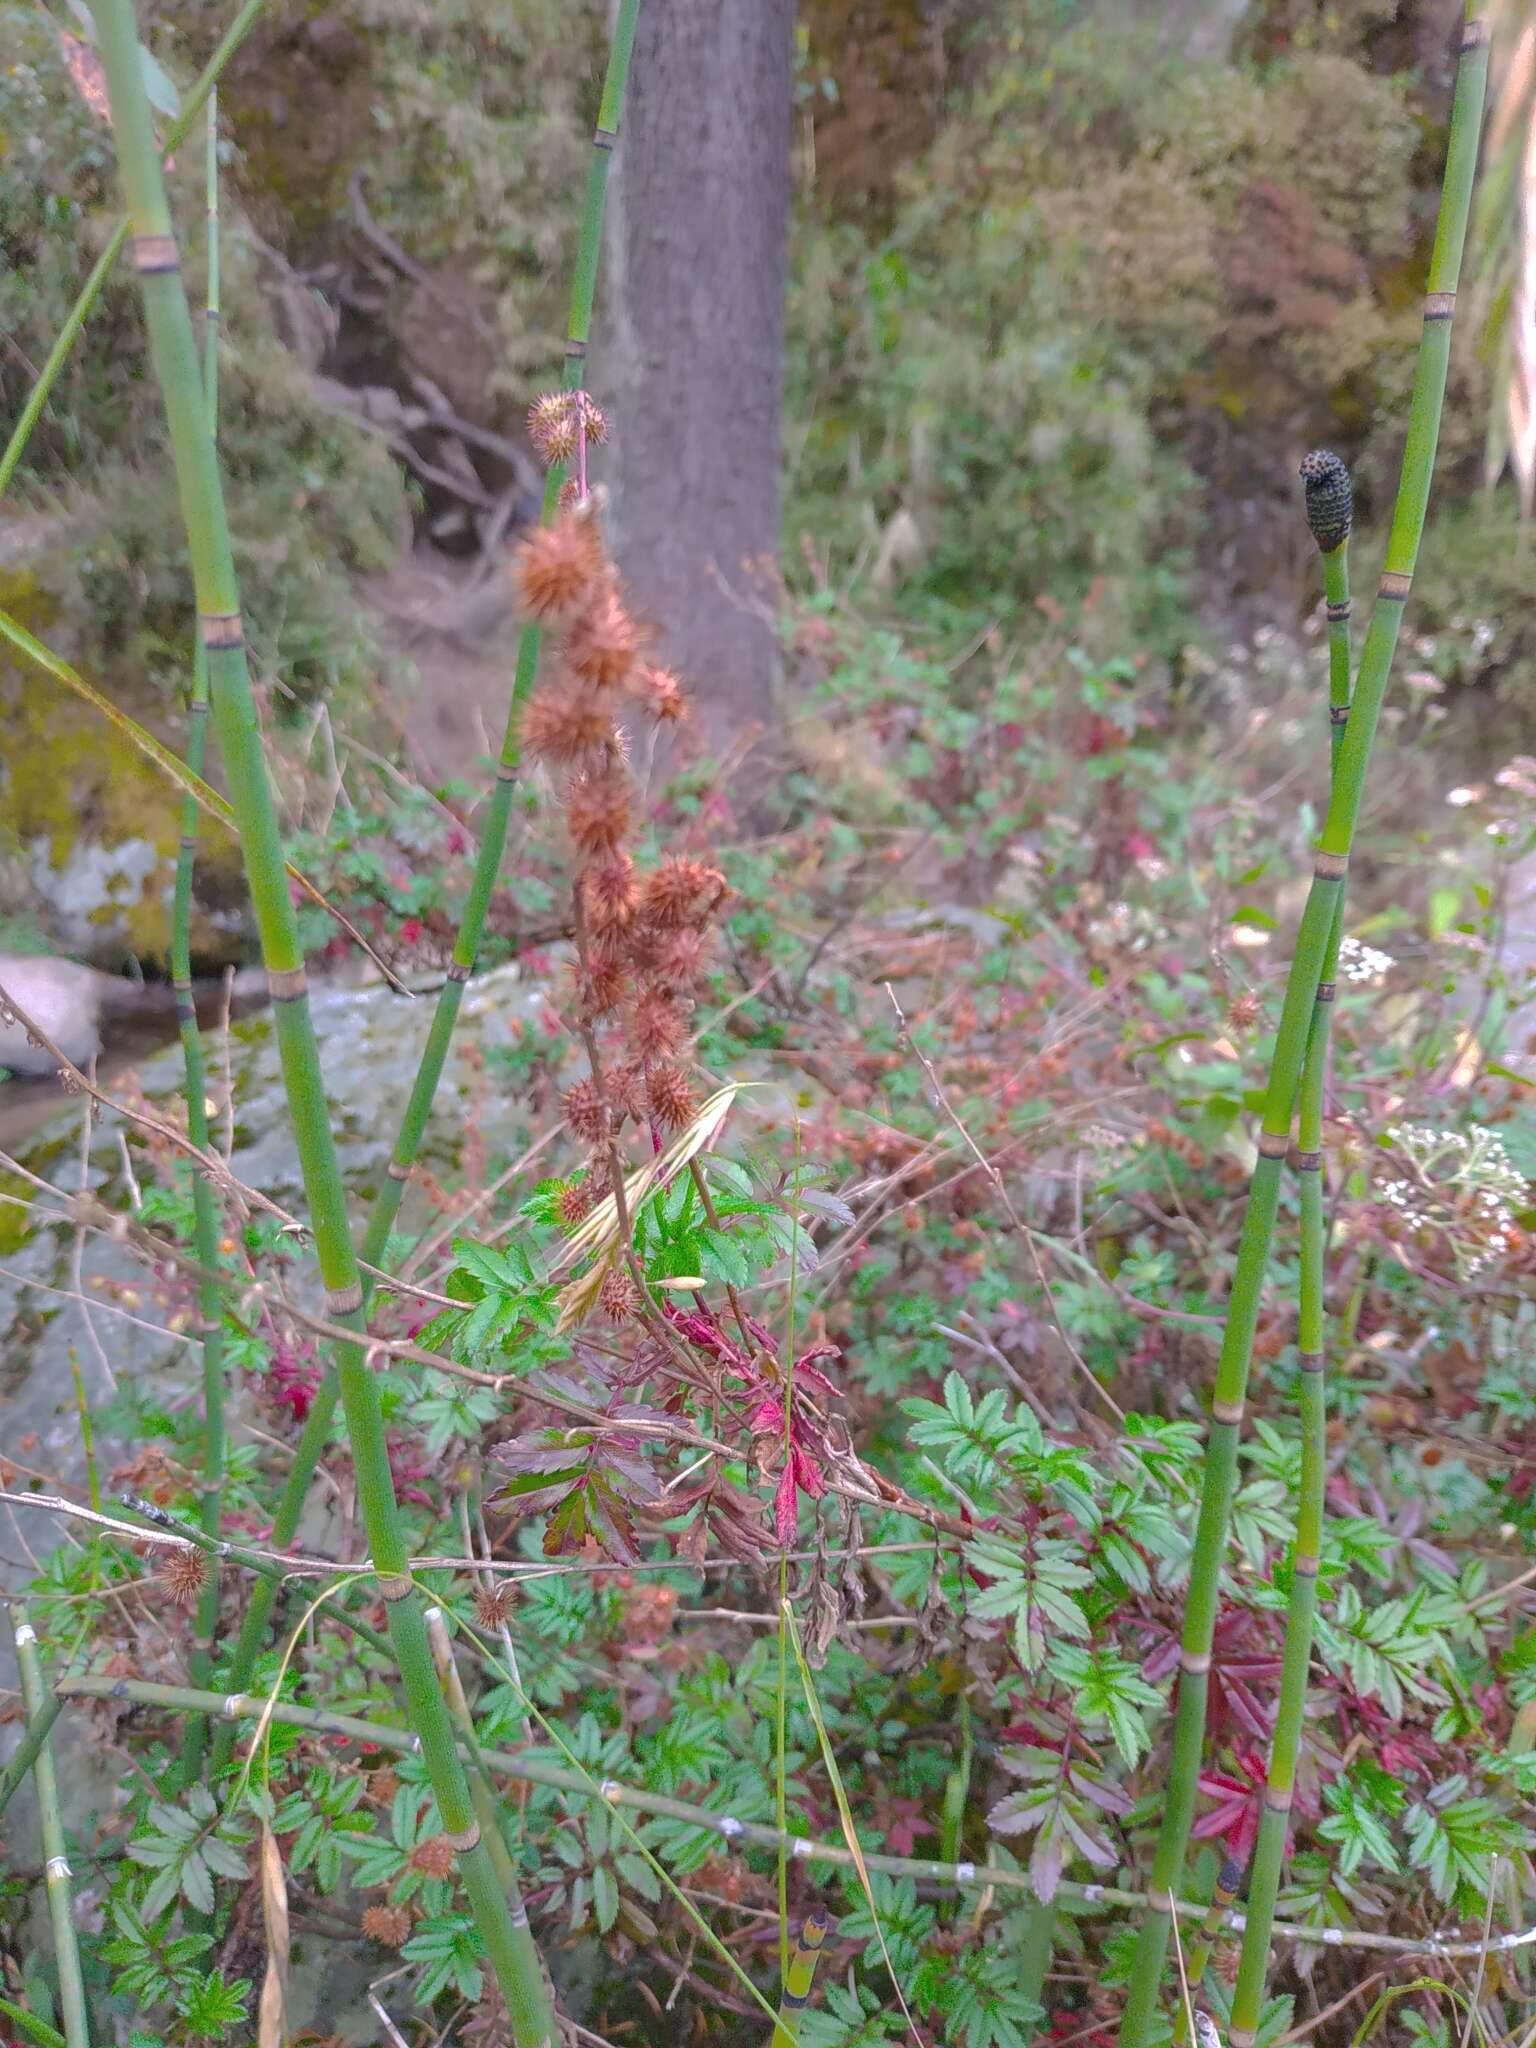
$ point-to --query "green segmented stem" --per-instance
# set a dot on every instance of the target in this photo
(800, 1977)
(1318, 924)
(533, 2018)
(1197, 1960)
(205, 1216)
(1336, 597)
(36, 1697)
(26, 1750)
(173, 355)
(1301, 1613)
(106, 262)
(493, 841)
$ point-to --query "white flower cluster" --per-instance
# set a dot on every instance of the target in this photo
(1358, 962)
(1465, 1182)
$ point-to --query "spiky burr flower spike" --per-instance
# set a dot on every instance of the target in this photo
(493, 831)
(642, 942)
(1330, 498)
(184, 1574)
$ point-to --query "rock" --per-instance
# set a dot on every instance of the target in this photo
(89, 827)
(61, 997)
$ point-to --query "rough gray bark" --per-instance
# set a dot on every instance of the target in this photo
(693, 354)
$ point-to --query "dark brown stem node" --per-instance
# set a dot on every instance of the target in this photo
(221, 629)
(154, 255)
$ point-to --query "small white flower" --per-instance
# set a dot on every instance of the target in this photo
(1359, 962)
(1460, 796)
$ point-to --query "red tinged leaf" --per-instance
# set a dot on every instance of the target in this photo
(806, 1369)
(807, 1474)
(568, 1529)
(784, 1513)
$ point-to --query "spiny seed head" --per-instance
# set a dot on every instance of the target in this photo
(672, 1100)
(552, 427)
(586, 1112)
(1243, 1011)
(603, 646)
(390, 1925)
(682, 891)
(679, 955)
(566, 726)
(572, 1205)
(184, 1574)
(434, 1857)
(558, 568)
(655, 1025)
(605, 986)
(608, 894)
(618, 1297)
(1330, 498)
(593, 418)
(597, 810)
(659, 690)
(493, 1603)
(626, 1083)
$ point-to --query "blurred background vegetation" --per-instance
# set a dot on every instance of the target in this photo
(1073, 286)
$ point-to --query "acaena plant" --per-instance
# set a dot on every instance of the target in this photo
(493, 840)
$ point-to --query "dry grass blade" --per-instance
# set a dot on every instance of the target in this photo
(845, 1811)
(272, 2019)
(1520, 399)
(599, 1234)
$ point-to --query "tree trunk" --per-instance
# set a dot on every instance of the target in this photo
(694, 356)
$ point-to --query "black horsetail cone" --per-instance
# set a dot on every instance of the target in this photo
(1330, 498)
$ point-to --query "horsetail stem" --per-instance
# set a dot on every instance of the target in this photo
(1307, 1160)
(1318, 925)
(37, 1698)
(173, 357)
(532, 2019)
(95, 284)
(493, 841)
(25, 1754)
(1229, 1881)
(800, 1977)
(205, 1217)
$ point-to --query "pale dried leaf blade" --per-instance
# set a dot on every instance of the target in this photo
(272, 2027)
(598, 1233)
(844, 1810)
(1522, 377)
(1514, 87)
(84, 68)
